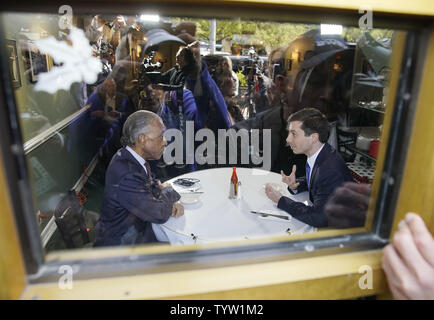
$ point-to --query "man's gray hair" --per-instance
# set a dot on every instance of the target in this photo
(136, 124)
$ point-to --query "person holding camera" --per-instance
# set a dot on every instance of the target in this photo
(212, 107)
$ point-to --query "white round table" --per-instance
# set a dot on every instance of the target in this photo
(215, 217)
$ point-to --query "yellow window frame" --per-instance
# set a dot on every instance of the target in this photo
(333, 276)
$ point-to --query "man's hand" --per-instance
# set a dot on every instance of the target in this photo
(348, 205)
(177, 210)
(408, 261)
(272, 193)
(195, 50)
(194, 45)
(163, 185)
(290, 180)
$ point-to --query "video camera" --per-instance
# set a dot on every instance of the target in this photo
(252, 66)
(148, 70)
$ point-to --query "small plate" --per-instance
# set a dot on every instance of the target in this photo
(189, 198)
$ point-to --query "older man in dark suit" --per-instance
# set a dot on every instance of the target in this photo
(325, 168)
(133, 199)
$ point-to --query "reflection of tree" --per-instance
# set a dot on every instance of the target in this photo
(354, 34)
(271, 33)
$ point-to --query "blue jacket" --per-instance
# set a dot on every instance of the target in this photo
(210, 92)
(329, 172)
(171, 121)
(191, 113)
(131, 199)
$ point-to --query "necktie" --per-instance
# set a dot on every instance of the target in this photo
(148, 169)
(307, 175)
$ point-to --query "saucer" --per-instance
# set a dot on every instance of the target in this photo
(189, 198)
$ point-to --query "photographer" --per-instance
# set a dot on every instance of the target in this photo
(176, 104)
(257, 96)
(174, 78)
(193, 72)
(224, 71)
(110, 104)
(209, 100)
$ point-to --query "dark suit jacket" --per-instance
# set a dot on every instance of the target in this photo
(131, 199)
(329, 172)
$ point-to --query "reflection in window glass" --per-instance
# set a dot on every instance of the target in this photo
(38, 110)
(253, 79)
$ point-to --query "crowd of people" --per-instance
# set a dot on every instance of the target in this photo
(135, 105)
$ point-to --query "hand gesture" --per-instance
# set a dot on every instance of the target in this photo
(177, 210)
(408, 261)
(272, 193)
(290, 180)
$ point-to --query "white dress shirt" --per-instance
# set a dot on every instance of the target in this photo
(138, 158)
(311, 162)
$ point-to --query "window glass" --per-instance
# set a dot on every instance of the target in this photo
(38, 110)
(77, 79)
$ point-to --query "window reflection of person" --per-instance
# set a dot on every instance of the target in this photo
(228, 83)
(225, 68)
(193, 72)
(278, 90)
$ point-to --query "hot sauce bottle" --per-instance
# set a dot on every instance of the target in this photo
(234, 183)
